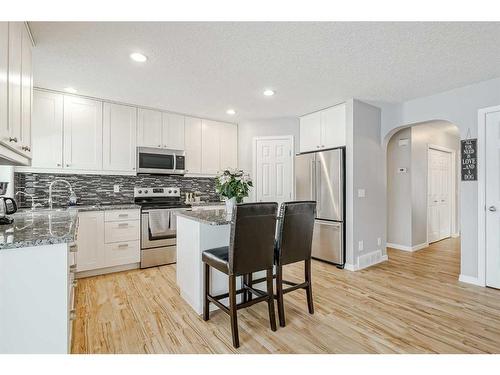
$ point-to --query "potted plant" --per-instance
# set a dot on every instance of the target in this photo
(233, 185)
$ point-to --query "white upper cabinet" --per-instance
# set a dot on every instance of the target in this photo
(15, 65)
(149, 128)
(210, 147)
(228, 134)
(4, 68)
(119, 137)
(323, 129)
(173, 131)
(47, 130)
(310, 132)
(333, 126)
(26, 92)
(192, 131)
(82, 133)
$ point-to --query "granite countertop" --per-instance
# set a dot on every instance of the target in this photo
(43, 227)
(207, 203)
(210, 217)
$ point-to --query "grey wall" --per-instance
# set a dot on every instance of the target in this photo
(365, 169)
(260, 128)
(399, 204)
(459, 106)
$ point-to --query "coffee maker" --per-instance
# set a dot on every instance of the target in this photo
(8, 205)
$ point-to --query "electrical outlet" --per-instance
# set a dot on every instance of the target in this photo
(116, 188)
(360, 245)
(361, 193)
(379, 241)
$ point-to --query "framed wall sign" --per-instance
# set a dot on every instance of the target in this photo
(468, 151)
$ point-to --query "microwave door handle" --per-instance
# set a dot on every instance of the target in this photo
(175, 161)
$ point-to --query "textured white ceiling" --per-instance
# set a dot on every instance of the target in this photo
(204, 68)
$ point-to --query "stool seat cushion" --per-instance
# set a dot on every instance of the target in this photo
(217, 258)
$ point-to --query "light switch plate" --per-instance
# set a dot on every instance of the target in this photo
(360, 245)
(116, 188)
(361, 193)
(379, 241)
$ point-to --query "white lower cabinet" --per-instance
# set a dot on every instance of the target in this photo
(108, 239)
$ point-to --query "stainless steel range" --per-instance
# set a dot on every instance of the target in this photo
(158, 223)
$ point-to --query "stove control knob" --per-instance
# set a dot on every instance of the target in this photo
(140, 191)
(170, 191)
(145, 191)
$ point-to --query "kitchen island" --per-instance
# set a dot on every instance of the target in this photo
(198, 231)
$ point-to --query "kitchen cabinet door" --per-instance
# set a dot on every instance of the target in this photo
(228, 135)
(210, 147)
(15, 62)
(26, 93)
(192, 131)
(119, 137)
(333, 126)
(90, 241)
(4, 69)
(310, 132)
(82, 133)
(149, 124)
(173, 131)
(47, 130)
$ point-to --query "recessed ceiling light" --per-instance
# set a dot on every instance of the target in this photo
(231, 112)
(139, 57)
(268, 92)
(71, 90)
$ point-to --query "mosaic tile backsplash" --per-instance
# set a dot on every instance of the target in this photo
(98, 189)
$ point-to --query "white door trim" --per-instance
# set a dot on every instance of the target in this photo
(291, 140)
(453, 185)
(481, 193)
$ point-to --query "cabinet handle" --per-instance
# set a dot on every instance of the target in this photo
(123, 245)
(317, 146)
(58, 164)
(72, 314)
(322, 145)
(159, 145)
(72, 268)
(74, 283)
(123, 225)
(73, 248)
(67, 165)
(123, 215)
(12, 139)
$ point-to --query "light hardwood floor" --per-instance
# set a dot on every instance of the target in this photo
(411, 304)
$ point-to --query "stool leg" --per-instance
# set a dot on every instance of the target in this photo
(233, 311)
(249, 280)
(270, 300)
(245, 292)
(206, 291)
(279, 294)
(309, 293)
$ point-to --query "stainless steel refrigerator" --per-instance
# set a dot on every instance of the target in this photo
(320, 176)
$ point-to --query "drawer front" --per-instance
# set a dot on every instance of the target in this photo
(120, 253)
(121, 231)
(122, 215)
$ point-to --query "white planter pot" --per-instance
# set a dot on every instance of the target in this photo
(230, 203)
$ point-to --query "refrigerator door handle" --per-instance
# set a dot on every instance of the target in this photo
(313, 180)
(318, 185)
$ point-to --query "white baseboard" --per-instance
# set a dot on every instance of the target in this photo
(455, 235)
(407, 248)
(470, 280)
(103, 271)
(350, 267)
(355, 267)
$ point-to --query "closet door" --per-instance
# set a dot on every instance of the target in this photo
(439, 195)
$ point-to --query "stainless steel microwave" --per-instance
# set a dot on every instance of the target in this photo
(152, 160)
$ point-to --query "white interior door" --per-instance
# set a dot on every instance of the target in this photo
(273, 169)
(439, 195)
(493, 199)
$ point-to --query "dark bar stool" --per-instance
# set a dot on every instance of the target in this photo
(250, 250)
(293, 244)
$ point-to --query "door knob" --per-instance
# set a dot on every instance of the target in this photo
(492, 208)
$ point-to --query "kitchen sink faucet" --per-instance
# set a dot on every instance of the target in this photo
(50, 190)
